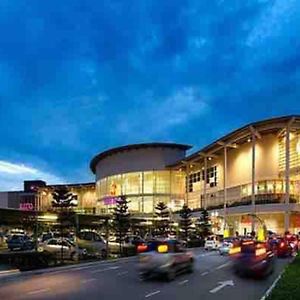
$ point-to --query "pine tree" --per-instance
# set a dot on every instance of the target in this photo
(185, 221)
(204, 223)
(121, 220)
(162, 218)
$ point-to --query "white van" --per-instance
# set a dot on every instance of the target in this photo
(212, 243)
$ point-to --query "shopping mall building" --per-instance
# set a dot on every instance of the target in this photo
(247, 177)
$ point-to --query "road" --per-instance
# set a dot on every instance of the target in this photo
(118, 280)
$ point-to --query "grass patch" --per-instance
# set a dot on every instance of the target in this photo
(288, 287)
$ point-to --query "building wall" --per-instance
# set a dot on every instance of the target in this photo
(134, 160)
(3, 199)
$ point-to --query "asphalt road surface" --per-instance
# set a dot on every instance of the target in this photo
(212, 279)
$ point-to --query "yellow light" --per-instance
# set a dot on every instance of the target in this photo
(249, 140)
(234, 250)
(48, 217)
(226, 233)
(162, 248)
(209, 158)
(260, 251)
(261, 235)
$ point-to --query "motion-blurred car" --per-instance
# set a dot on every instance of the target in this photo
(211, 243)
(165, 259)
(20, 242)
(252, 258)
(60, 247)
(284, 248)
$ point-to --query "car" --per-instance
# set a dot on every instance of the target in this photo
(252, 258)
(128, 245)
(211, 243)
(284, 247)
(93, 243)
(20, 242)
(61, 247)
(164, 259)
(225, 246)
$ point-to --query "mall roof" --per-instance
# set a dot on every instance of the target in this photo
(113, 151)
(241, 135)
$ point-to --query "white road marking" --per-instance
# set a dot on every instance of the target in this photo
(183, 282)
(152, 294)
(204, 273)
(88, 280)
(223, 266)
(122, 273)
(222, 284)
(38, 291)
(106, 269)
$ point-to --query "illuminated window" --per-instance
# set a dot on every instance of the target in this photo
(148, 182)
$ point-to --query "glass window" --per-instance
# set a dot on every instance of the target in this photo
(148, 204)
(148, 182)
(162, 182)
(132, 183)
(134, 204)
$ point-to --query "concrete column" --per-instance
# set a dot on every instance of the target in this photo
(204, 187)
(253, 182)
(225, 185)
(287, 179)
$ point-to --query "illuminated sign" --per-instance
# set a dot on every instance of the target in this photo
(110, 200)
(26, 206)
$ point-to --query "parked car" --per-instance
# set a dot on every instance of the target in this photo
(20, 242)
(252, 258)
(211, 243)
(94, 244)
(129, 246)
(59, 247)
(165, 259)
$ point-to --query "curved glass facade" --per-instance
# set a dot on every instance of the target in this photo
(143, 190)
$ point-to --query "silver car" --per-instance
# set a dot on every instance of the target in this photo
(165, 259)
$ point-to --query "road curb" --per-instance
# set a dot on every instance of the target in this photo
(270, 289)
(17, 274)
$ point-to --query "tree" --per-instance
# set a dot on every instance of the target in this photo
(162, 218)
(204, 223)
(121, 220)
(185, 221)
(63, 199)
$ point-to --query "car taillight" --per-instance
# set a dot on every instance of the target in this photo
(142, 248)
(281, 245)
(260, 251)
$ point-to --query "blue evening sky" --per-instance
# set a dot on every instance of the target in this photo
(78, 77)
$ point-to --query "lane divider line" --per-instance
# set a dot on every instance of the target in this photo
(223, 265)
(106, 269)
(88, 280)
(38, 291)
(152, 294)
(204, 273)
(183, 282)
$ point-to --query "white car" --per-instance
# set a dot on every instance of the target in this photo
(211, 243)
(58, 246)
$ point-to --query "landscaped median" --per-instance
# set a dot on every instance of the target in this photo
(288, 287)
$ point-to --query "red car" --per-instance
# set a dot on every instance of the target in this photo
(284, 248)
